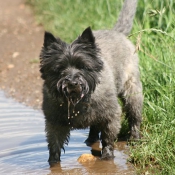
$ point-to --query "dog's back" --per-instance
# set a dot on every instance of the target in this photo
(117, 51)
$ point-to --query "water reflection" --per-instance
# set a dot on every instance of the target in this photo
(23, 149)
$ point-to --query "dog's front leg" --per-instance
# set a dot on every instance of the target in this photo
(108, 136)
(107, 146)
(57, 136)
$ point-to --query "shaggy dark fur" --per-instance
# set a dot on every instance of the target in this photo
(82, 81)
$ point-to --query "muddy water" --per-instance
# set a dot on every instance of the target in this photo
(23, 148)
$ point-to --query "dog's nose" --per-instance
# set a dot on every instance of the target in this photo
(72, 84)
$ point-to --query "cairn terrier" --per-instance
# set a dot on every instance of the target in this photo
(83, 81)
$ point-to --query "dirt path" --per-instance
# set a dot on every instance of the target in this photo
(21, 40)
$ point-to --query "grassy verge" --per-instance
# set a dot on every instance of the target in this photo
(154, 34)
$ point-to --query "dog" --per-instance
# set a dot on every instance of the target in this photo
(83, 81)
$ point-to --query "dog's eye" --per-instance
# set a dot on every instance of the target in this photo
(62, 74)
(80, 66)
(88, 68)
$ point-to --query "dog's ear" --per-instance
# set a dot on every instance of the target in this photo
(87, 35)
(48, 39)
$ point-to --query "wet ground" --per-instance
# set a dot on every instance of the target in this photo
(23, 148)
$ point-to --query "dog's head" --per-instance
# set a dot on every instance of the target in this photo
(71, 70)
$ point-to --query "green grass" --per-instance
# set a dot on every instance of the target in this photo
(155, 23)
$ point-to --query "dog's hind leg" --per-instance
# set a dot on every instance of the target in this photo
(93, 135)
(133, 101)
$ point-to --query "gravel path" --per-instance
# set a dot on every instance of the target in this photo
(21, 40)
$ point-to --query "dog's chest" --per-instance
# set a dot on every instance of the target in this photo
(78, 116)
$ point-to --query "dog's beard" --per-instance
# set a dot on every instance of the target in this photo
(75, 91)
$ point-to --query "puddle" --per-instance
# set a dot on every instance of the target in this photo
(23, 147)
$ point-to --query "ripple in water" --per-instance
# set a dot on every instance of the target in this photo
(23, 148)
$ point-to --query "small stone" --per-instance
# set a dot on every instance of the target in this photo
(75, 114)
(15, 54)
(68, 117)
(61, 104)
(73, 111)
(72, 116)
(86, 158)
(10, 66)
(78, 112)
(69, 123)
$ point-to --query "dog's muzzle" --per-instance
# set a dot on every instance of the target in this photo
(74, 89)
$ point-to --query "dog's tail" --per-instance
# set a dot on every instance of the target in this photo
(125, 20)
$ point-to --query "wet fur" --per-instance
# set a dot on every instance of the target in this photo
(107, 64)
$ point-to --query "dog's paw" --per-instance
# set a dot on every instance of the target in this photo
(107, 153)
(53, 160)
(135, 135)
(91, 140)
(53, 163)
